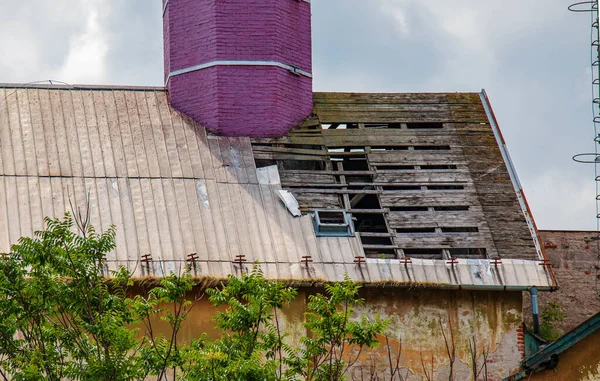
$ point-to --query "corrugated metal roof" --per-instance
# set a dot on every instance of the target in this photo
(172, 190)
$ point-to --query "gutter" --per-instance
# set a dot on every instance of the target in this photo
(548, 357)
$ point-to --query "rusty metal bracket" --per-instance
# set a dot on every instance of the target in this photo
(452, 262)
(306, 259)
(191, 258)
(146, 263)
(240, 260)
(359, 260)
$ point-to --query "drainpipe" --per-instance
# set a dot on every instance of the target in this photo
(534, 310)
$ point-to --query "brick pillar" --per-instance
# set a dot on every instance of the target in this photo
(239, 67)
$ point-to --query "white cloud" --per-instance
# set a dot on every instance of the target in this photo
(562, 202)
(86, 60)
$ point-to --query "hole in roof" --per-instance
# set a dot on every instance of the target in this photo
(408, 209)
(472, 253)
(424, 253)
(424, 126)
(389, 148)
(445, 187)
(415, 230)
(437, 167)
(451, 208)
(432, 148)
(395, 167)
(401, 187)
(466, 229)
(383, 125)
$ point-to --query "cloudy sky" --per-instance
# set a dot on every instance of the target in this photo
(532, 57)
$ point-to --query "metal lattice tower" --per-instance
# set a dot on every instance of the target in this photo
(592, 7)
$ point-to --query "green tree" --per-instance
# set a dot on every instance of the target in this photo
(552, 314)
(60, 317)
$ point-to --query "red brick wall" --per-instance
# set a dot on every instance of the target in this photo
(573, 256)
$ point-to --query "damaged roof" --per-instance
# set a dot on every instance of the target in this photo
(421, 179)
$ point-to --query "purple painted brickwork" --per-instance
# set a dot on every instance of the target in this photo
(228, 104)
(239, 100)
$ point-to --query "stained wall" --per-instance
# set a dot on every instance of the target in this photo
(419, 320)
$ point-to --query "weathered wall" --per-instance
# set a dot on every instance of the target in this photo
(493, 319)
(574, 256)
(575, 363)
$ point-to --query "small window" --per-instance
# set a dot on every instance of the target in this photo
(333, 223)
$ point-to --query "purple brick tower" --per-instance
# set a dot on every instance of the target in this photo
(239, 67)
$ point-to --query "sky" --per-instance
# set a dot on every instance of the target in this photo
(532, 57)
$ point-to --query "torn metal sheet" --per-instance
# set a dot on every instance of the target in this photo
(480, 268)
(202, 194)
(268, 175)
(290, 202)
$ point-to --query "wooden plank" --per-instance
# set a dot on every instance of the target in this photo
(427, 199)
(305, 178)
(422, 176)
(317, 200)
(292, 138)
(416, 157)
(441, 241)
(284, 156)
(288, 150)
(398, 220)
(374, 137)
(383, 98)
